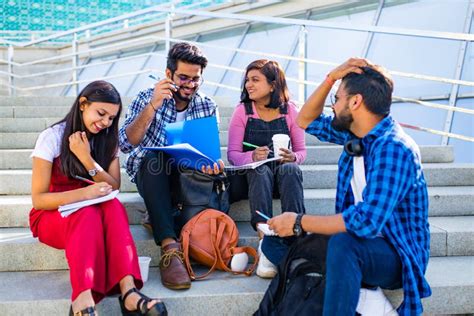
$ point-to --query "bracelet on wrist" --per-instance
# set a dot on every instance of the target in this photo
(329, 80)
(151, 104)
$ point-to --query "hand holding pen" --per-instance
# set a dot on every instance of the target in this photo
(164, 90)
(95, 189)
(260, 153)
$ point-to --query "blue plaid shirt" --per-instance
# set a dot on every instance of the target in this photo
(395, 200)
(199, 107)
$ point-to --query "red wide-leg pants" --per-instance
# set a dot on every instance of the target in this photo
(99, 246)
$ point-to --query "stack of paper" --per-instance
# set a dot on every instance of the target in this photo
(265, 229)
(68, 209)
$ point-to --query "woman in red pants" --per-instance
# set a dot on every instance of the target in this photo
(99, 247)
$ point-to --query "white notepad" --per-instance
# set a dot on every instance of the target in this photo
(266, 230)
(251, 165)
(68, 209)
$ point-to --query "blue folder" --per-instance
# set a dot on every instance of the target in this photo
(193, 143)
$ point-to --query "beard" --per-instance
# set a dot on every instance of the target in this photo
(180, 97)
(343, 121)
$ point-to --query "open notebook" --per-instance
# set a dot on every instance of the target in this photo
(68, 209)
(251, 165)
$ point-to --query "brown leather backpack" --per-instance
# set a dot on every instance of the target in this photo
(210, 238)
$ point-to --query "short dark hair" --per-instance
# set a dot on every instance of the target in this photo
(105, 142)
(375, 86)
(186, 53)
(276, 77)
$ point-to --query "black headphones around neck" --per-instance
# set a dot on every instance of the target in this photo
(354, 147)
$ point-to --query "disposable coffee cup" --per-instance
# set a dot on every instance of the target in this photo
(280, 141)
(144, 263)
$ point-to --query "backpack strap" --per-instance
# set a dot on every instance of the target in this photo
(185, 242)
(251, 252)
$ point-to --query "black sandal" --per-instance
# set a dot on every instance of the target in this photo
(159, 309)
(90, 311)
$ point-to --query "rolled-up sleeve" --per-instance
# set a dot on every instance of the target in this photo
(322, 129)
(137, 105)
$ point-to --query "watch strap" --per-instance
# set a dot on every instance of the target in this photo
(297, 225)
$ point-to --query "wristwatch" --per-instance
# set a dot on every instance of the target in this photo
(95, 171)
(297, 228)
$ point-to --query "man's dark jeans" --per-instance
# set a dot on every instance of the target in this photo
(154, 184)
(352, 261)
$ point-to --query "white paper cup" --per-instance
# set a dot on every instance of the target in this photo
(280, 141)
(144, 263)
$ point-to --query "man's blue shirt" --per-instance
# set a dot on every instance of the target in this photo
(395, 200)
(199, 107)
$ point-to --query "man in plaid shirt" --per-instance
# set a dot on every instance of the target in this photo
(380, 233)
(175, 98)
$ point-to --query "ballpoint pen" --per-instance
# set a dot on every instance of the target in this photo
(84, 179)
(158, 79)
(263, 215)
(252, 145)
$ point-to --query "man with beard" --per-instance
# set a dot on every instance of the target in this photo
(173, 99)
(379, 236)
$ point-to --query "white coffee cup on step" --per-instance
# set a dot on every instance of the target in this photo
(144, 263)
(280, 141)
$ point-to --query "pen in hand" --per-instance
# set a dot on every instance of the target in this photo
(84, 179)
(263, 215)
(158, 79)
(253, 146)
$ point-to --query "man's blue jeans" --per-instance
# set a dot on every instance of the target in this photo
(352, 262)
(275, 248)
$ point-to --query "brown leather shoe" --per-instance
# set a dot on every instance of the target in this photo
(172, 270)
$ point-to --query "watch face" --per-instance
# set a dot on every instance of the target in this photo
(297, 230)
(92, 172)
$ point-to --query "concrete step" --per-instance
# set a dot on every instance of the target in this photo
(451, 280)
(38, 124)
(45, 111)
(18, 182)
(27, 140)
(316, 155)
(40, 101)
(19, 251)
(443, 201)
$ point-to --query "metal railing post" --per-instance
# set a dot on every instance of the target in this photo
(11, 83)
(455, 87)
(168, 27)
(75, 62)
(302, 65)
(167, 32)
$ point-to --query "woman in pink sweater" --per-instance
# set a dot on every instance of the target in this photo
(265, 110)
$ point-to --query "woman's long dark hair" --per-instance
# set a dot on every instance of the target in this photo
(276, 77)
(103, 144)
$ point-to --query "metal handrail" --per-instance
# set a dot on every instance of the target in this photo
(261, 19)
(143, 40)
(258, 19)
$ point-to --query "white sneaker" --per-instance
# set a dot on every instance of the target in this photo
(265, 268)
(374, 303)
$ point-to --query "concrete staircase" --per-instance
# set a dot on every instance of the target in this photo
(34, 277)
